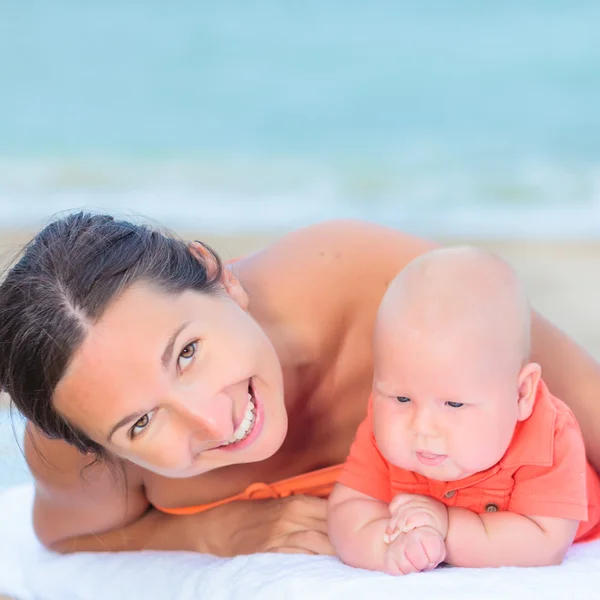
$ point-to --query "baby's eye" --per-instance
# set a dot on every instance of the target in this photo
(403, 399)
(454, 404)
(186, 356)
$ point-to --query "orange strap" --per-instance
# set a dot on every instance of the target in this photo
(315, 483)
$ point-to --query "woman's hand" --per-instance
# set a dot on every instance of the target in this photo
(297, 524)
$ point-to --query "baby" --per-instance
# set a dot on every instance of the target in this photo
(465, 456)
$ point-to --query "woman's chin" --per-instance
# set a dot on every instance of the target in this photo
(270, 441)
(266, 446)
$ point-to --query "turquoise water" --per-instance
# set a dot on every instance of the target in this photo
(13, 470)
(436, 116)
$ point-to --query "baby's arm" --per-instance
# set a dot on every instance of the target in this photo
(506, 538)
(357, 525)
(556, 493)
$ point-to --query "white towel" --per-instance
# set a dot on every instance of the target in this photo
(28, 572)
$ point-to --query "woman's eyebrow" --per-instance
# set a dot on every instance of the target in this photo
(168, 353)
(133, 416)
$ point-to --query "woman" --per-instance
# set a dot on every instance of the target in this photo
(156, 379)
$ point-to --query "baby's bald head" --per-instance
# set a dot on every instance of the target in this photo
(467, 296)
(452, 375)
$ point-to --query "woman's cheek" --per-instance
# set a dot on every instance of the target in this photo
(165, 454)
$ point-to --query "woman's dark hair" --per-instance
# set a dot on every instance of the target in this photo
(64, 281)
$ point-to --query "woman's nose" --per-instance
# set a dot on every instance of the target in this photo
(211, 418)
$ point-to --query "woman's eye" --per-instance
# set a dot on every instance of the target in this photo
(454, 404)
(403, 399)
(186, 355)
(140, 425)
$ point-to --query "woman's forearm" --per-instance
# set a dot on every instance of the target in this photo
(153, 531)
(297, 523)
(573, 376)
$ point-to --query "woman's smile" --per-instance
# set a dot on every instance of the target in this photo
(249, 428)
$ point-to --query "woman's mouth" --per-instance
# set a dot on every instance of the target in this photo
(249, 428)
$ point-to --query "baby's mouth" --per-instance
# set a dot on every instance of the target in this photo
(431, 459)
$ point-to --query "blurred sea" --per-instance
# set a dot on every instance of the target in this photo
(455, 117)
(13, 469)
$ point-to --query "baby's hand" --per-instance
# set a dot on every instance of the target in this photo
(420, 549)
(409, 511)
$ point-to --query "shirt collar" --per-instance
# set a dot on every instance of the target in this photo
(533, 439)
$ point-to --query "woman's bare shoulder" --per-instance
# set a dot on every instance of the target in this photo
(323, 283)
(355, 255)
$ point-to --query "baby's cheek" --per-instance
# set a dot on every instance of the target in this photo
(480, 457)
(479, 435)
(394, 448)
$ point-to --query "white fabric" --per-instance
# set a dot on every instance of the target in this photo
(27, 571)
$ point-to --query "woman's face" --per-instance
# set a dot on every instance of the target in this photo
(178, 384)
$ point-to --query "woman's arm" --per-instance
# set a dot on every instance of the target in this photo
(292, 525)
(573, 376)
(80, 506)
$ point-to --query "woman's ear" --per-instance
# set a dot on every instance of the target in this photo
(528, 382)
(204, 256)
(229, 281)
(234, 287)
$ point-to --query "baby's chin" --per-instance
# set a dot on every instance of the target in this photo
(444, 473)
(438, 475)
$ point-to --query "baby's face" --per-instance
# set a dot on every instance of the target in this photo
(445, 408)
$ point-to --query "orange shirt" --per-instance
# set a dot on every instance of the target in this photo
(544, 472)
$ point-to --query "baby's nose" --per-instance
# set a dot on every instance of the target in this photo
(424, 423)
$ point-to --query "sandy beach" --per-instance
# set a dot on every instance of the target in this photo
(559, 275)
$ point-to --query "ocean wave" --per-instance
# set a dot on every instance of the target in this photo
(534, 198)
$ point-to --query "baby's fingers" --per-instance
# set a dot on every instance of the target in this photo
(398, 522)
(417, 555)
(392, 530)
(434, 548)
(399, 500)
(418, 519)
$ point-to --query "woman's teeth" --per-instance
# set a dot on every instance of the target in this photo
(245, 427)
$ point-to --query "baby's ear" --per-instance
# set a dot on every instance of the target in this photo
(528, 382)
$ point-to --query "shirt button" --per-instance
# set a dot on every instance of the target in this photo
(449, 494)
(491, 507)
